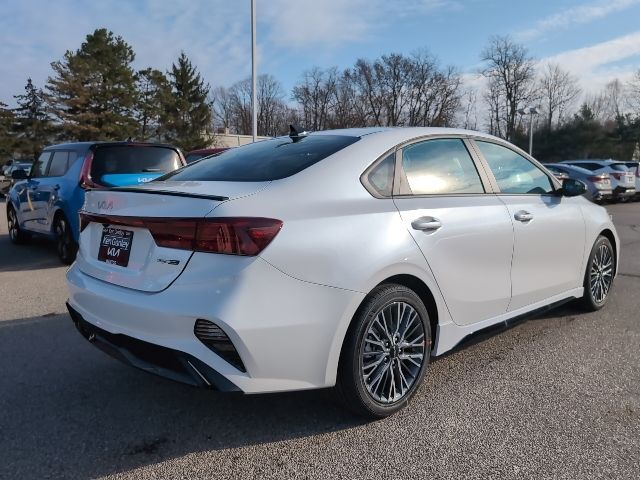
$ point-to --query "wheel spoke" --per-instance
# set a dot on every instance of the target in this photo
(393, 352)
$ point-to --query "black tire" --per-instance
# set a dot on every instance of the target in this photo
(65, 244)
(16, 234)
(352, 380)
(599, 271)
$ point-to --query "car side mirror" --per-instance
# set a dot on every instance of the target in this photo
(19, 174)
(572, 188)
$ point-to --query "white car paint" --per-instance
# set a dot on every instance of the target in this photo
(288, 309)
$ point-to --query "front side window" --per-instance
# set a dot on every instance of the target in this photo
(440, 166)
(59, 164)
(513, 172)
(39, 168)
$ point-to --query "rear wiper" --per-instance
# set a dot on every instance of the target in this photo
(152, 170)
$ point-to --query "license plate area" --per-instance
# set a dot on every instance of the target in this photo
(115, 246)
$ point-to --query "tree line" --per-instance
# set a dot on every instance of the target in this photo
(94, 93)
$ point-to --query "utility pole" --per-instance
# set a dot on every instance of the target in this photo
(531, 111)
(254, 95)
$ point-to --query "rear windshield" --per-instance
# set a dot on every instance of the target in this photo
(263, 161)
(133, 159)
(621, 167)
(192, 157)
(589, 166)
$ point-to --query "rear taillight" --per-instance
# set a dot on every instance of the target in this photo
(638, 171)
(228, 235)
(85, 179)
(599, 178)
(617, 175)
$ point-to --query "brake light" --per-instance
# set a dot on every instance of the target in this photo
(85, 179)
(599, 178)
(617, 175)
(227, 235)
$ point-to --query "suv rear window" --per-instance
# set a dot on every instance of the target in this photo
(123, 159)
(589, 166)
(263, 161)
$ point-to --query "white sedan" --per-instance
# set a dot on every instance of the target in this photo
(340, 258)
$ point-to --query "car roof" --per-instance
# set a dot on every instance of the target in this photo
(208, 150)
(404, 132)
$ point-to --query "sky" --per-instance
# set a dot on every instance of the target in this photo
(594, 39)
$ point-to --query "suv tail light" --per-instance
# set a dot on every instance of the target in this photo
(599, 178)
(227, 235)
(85, 179)
(618, 175)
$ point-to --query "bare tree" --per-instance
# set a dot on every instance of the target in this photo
(558, 90)
(633, 93)
(315, 94)
(510, 72)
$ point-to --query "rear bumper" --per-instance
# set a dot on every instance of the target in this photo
(287, 333)
(624, 192)
(165, 362)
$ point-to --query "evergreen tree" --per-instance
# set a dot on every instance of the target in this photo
(32, 126)
(154, 94)
(93, 91)
(6, 140)
(188, 114)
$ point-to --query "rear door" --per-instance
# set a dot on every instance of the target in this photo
(549, 230)
(30, 196)
(50, 187)
(131, 164)
(463, 230)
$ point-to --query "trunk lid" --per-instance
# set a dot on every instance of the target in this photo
(116, 245)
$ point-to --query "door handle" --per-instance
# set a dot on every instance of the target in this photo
(523, 216)
(426, 224)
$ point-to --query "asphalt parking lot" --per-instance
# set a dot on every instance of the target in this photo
(557, 396)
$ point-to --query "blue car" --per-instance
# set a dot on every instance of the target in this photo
(46, 201)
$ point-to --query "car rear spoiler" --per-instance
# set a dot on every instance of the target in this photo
(218, 198)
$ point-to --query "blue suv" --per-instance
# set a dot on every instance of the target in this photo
(47, 200)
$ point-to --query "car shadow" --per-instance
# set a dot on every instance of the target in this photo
(71, 411)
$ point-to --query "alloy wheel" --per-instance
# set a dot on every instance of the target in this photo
(601, 273)
(392, 352)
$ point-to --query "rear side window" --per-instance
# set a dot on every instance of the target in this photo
(126, 159)
(441, 166)
(263, 161)
(59, 164)
(379, 180)
(513, 172)
(39, 168)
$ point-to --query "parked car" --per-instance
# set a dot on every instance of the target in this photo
(558, 173)
(344, 257)
(194, 155)
(47, 199)
(6, 180)
(598, 185)
(14, 161)
(634, 167)
(622, 181)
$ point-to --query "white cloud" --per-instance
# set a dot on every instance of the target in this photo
(598, 64)
(581, 14)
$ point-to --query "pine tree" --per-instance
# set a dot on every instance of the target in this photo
(188, 113)
(6, 139)
(32, 127)
(93, 91)
(153, 94)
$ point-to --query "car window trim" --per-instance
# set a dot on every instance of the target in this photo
(555, 183)
(401, 175)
